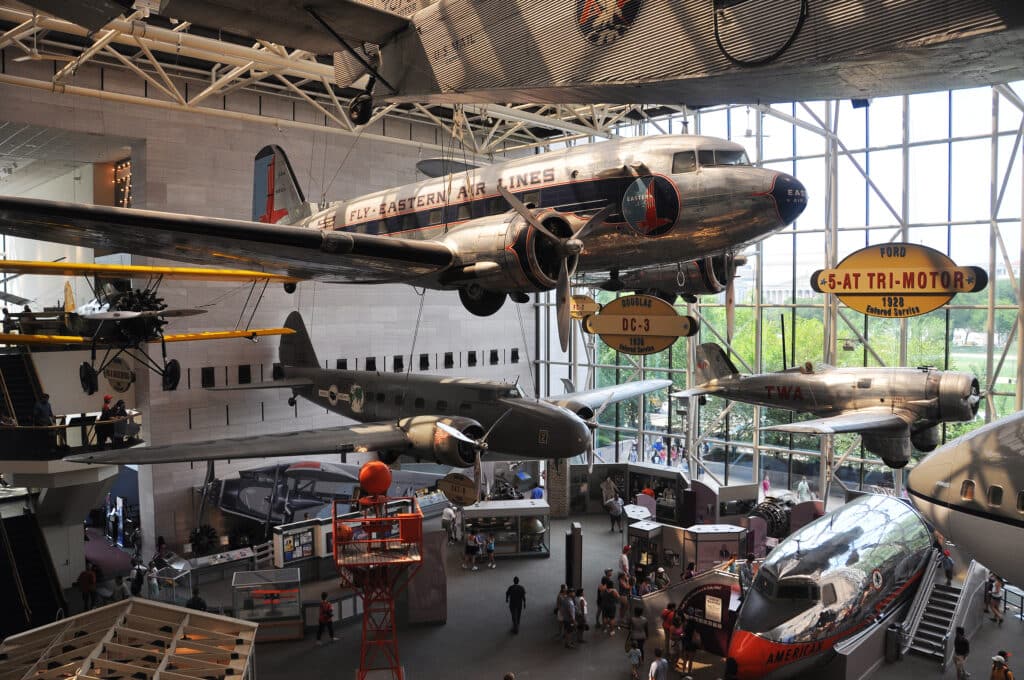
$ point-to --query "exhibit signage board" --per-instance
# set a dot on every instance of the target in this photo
(640, 324)
(898, 280)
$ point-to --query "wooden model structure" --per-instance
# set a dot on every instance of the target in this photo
(134, 639)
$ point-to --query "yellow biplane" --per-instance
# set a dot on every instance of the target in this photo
(122, 319)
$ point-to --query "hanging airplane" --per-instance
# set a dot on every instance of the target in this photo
(406, 414)
(891, 408)
(121, 321)
(843, 572)
(972, 490)
(504, 230)
(692, 52)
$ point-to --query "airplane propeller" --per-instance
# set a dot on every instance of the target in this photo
(567, 248)
(479, 445)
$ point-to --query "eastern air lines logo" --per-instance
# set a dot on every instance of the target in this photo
(651, 205)
(602, 22)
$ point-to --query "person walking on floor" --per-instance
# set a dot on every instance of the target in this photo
(659, 667)
(961, 648)
(638, 629)
(1000, 668)
(615, 506)
(581, 615)
(997, 600)
(634, 656)
(490, 551)
(87, 584)
(568, 612)
(196, 602)
(515, 597)
(326, 618)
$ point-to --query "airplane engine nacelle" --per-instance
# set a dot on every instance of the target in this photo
(707, 276)
(584, 411)
(505, 254)
(427, 440)
(926, 439)
(893, 450)
(959, 397)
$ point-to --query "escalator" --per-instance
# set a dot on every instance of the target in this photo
(19, 385)
(28, 582)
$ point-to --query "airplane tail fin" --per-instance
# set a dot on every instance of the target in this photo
(276, 195)
(296, 349)
(712, 363)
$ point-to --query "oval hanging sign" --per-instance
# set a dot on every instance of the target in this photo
(640, 324)
(119, 374)
(582, 305)
(898, 280)
(458, 488)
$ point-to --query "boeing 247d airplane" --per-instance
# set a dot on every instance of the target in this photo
(448, 420)
(504, 230)
(891, 408)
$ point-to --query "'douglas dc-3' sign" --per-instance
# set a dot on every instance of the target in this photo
(639, 324)
(897, 280)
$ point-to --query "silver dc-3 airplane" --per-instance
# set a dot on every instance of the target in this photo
(972, 490)
(448, 420)
(499, 231)
(891, 408)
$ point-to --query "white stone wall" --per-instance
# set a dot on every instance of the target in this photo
(196, 164)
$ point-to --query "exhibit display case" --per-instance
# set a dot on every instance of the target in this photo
(520, 528)
(709, 545)
(272, 598)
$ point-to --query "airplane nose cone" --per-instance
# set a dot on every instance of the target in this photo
(790, 197)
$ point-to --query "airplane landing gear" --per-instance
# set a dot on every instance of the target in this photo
(520, 297)
(481, 302)
(292, 402)
(290, 288)
(360, 109)
(88, 377)
(171, 376)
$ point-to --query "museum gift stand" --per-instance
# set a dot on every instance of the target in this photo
(377, 553)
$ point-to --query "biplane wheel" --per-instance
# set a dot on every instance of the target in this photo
(88, 377)
(360, 109)
(171, 376)
(291, 401)
(290, 288)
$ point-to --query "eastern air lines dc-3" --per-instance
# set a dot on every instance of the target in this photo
(891, 408)
(449, 420)
(498, 231)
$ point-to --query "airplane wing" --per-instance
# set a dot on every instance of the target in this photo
(251, 333)
(21, 339)
(696, 391)
(13, 299)
(345, 439)
(117, 271)
(609, 395)
(299, 252)
(861, 420)
(285, 383)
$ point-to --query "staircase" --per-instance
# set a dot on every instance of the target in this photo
(19, 384)
(936, 622)
(32, 594)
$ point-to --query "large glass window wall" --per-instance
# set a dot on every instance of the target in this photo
(941, 169)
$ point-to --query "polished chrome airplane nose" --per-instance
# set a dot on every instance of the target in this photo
(790, 197)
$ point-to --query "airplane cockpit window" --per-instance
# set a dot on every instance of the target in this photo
(713, 157)
(995, 495)
(684, 161)
(792, 589)
(828, 595)
(764, 583)
(967, 490)
(864, 383)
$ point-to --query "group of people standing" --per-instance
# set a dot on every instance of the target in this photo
(477, 546)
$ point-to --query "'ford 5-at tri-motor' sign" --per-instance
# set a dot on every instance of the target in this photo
(897, 280)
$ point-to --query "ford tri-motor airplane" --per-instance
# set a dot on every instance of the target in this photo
(448, 420)
(499, 231)
(972, 490)
(891, 408)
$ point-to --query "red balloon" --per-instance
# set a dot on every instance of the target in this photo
(375, 478)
